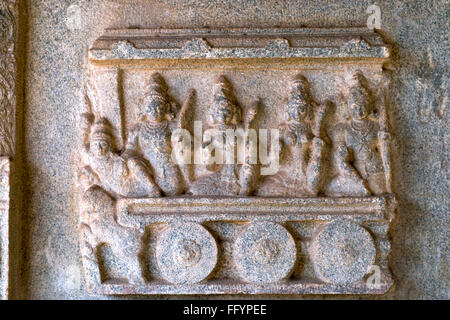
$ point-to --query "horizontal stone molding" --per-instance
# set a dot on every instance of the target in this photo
(137, 44)
(228, 287)
(140, 212)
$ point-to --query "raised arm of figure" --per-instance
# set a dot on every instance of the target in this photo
(132, 145)
(384, 141)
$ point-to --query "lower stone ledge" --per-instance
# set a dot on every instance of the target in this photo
(291, 287)
(244, 246)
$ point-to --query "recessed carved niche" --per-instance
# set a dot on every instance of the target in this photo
(308, 212)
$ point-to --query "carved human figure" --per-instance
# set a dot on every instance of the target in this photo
(302, 144)
(232, 176)
(104, 167)
(152, 137)
(99, 228)
(367, 141)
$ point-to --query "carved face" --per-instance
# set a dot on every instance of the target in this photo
(155, 110)
(225, 114)
(100, 148)
(358, 104)
(297, 109)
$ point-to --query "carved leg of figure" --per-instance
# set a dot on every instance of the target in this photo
(188, 173)
(128, 247)
(135, 274)
(88, 249)
(133, 262)
(348, 182)
(144, 178)
(377, 183)
(315, 167)
(248, 180)
(168, 177)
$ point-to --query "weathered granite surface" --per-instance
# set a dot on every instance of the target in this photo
(56, 67)
(10, 159)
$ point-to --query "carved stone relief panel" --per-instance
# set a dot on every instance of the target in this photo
(236, 161)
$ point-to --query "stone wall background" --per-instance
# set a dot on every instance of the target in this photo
(56, 46)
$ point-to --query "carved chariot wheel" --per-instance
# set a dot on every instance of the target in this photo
(265, 252)
(342, 252)
(186, 253)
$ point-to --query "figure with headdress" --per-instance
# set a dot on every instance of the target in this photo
(105, 177)
(302, 146)
(366, 139)
(151, 137)
(106, 168)
(230, 176)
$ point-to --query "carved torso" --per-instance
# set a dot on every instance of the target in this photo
(363, 142)
(155, 143)
(296, 138)
(112, 171)
(224, 179)
(155, 140)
